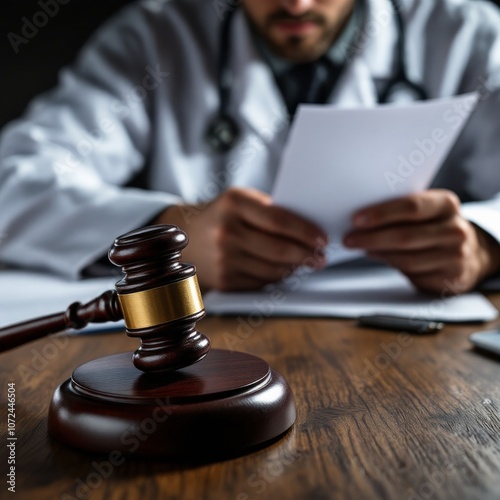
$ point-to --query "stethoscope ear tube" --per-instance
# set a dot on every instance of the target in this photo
(223, 132)
(401, 79)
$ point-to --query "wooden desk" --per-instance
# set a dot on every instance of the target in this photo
(380, 415)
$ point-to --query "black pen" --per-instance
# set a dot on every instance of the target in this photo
(411, 325)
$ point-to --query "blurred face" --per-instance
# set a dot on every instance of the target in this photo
(299, 30)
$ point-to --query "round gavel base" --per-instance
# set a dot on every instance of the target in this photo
(225, 405)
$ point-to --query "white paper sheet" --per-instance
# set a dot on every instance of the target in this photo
(349, 291)
(337, 161)
(25, 295)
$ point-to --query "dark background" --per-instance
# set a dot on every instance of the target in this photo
(34, 68)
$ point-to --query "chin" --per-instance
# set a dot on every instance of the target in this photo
(299, 55)
(296, 50)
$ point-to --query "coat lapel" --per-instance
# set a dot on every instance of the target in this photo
(373, 60)
(260, 102)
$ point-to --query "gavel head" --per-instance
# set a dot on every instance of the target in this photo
(160, 298)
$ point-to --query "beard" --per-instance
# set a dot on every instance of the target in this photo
(296, 47)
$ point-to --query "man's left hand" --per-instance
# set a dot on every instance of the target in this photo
(425, 237)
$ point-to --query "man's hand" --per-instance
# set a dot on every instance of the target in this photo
(425, 237)
(241, 241)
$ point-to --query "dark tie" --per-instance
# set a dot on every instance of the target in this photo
(307, 83)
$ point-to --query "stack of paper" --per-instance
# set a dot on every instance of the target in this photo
(350, 291)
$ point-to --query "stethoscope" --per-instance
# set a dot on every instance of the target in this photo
(223, 132)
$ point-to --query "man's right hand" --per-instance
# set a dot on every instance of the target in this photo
(240, 240)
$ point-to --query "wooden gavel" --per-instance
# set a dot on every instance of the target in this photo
(158, 297)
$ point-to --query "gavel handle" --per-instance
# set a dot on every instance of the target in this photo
(99, 310)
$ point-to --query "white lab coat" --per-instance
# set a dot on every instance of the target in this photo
(68, 166)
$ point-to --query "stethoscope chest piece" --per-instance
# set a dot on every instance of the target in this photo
(222, 134)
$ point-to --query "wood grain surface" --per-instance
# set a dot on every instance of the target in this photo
(381, 415)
